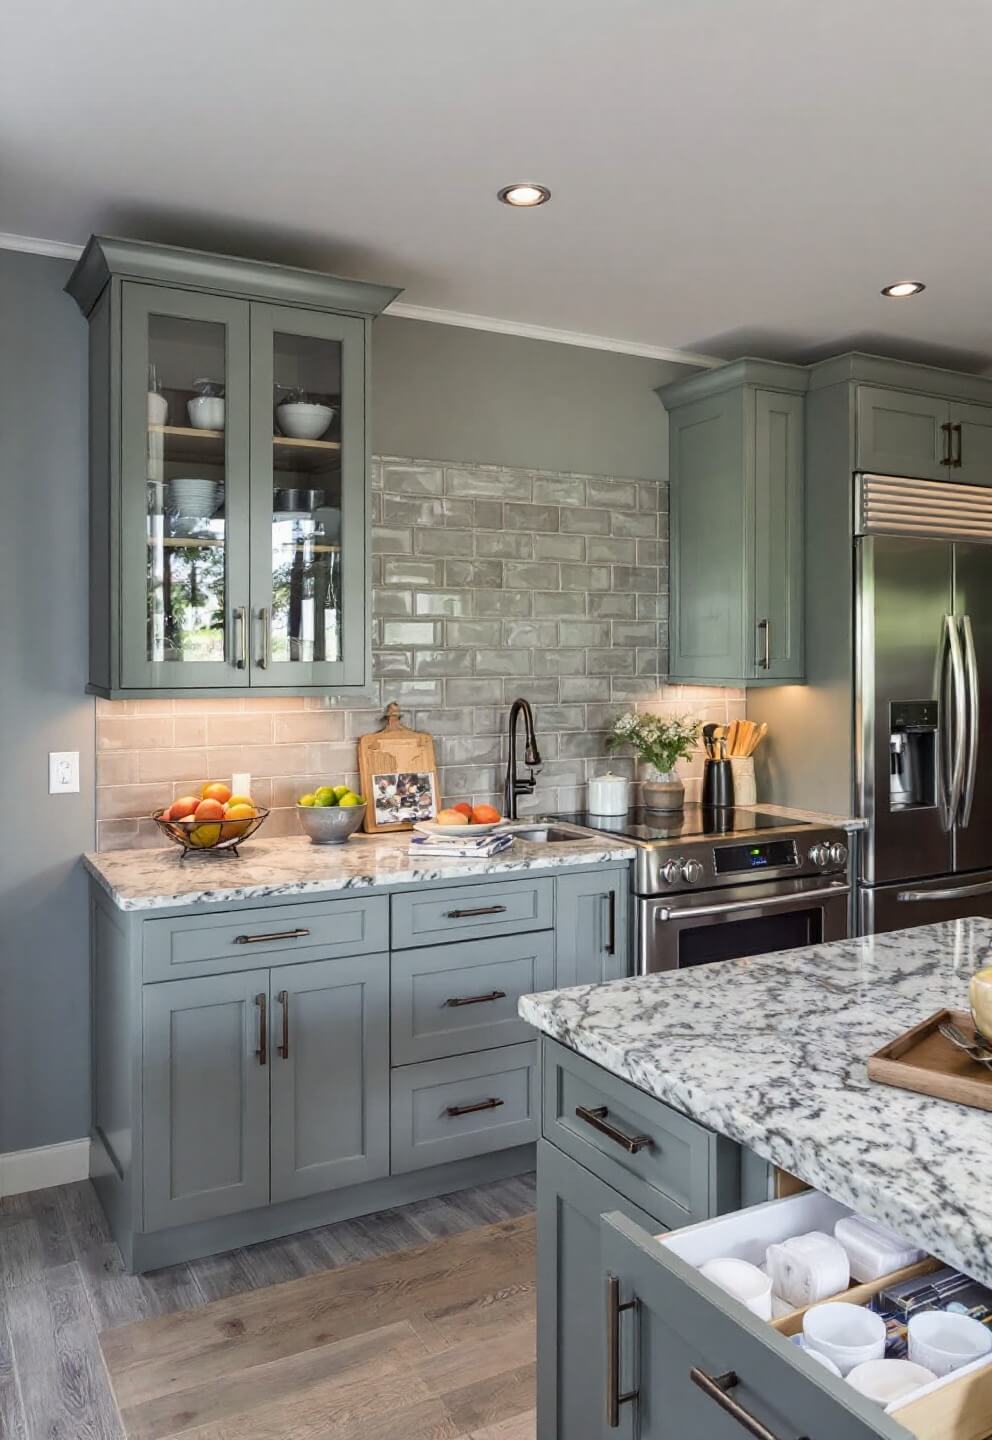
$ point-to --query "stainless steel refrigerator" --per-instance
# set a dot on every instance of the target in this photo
(923, 700)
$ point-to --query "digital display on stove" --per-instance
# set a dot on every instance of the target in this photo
(765, 855)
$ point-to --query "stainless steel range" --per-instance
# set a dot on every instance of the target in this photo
(720, 884)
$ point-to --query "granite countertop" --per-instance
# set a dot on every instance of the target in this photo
(850, 823)
(159, 879)
(771, 1051)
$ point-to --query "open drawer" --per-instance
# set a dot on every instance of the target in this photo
(705, 1366)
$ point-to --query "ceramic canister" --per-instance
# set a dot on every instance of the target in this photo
(608, 795)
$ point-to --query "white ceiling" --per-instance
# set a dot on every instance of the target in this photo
(729, 176)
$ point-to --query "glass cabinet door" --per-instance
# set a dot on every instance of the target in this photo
(308, 504)
(184, 489)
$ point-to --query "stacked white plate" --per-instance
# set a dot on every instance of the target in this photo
(194, 498)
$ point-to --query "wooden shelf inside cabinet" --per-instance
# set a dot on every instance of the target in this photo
(305, 457)
(186, 443)
(183, 542)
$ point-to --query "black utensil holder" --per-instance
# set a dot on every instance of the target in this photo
(718, 784)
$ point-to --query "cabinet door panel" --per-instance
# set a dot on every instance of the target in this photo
(309, 516)
(184, 489)
(972, 426)
(901, 433)
(707, 558)
(591, 941)
(777, 616)
(683, 1323)
(571, 1393)
(205, 1099)
(330, 1095)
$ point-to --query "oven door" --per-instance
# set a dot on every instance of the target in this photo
(680, 930)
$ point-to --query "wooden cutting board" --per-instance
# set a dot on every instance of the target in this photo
(399, 775)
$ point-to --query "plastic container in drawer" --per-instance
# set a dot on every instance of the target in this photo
(209, 944)
(467, 1105)
(461, 912)
(956, 1407)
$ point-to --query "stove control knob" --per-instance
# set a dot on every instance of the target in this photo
(671, 872)
(819, 855)
(692, 872)
(838, 854)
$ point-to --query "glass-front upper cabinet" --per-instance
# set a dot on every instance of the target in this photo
(228, 472)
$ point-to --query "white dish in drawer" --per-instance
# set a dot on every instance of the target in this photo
(962, 1412)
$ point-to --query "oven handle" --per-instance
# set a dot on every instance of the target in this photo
(775, 902)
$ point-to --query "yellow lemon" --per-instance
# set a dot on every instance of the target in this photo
(307, 800)
(204, 836)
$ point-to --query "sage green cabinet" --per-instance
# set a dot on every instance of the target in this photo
(205, 1098)
(228, 472)
(591, 941)
(971, 428)
(925, 437)
(329, 1042)
(736, 495)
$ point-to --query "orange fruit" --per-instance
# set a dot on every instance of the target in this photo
(465, 808)
(451, 817)
(166, 813)
(216, 790)
(182, 807)
(236, 819)
(485, 815)
(209, 809)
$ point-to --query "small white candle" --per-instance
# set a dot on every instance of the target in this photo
(241, 783)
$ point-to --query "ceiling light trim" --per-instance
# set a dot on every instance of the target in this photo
(65, 250)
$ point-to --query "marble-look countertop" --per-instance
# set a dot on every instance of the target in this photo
(850, 823)
(160, 879)
(772, 1052)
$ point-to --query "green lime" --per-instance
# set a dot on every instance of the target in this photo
(340, 791)
(324, 800)
(307, 800)
(350, 799)
(323, 794)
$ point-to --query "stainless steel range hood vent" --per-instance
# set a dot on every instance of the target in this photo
(898, 505)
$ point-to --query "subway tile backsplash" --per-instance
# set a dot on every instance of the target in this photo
(487, 583)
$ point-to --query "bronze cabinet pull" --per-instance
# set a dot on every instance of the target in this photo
(283, 998)
(956, 456)
(716, 1387)
(597, 1119)
(611, 944)
(492, 1104)
(479, 910)
(476, 999)
(765, 635)
(263, 939)
(614, 1397)
(948, 456)
(263, 1029)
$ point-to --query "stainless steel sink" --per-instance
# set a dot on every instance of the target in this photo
(550, 834)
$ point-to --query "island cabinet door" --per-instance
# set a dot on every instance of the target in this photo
(683, 1359)
(205, 1098)
(329, 1041)
(591, 943)
(571, 1374)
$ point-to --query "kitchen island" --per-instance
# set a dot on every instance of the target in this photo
(769, 1052)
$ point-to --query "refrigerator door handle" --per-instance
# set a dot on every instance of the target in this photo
(953, 756)
(962, 892)
(974, 716)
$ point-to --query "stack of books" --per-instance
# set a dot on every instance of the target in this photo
(461, 847)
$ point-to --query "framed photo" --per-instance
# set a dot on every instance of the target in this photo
(403, 798)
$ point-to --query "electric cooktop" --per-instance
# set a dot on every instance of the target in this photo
(655, 826)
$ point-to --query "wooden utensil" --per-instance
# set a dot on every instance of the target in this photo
(386, 755)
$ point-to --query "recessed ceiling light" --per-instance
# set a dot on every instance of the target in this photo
(524, 195)
(902, 288)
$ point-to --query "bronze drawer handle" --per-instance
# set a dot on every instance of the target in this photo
(716, 1387)
(262, 939)
(597, 1119)
(614, 1309)
(492, 1104)
(283, 998)
(476, 999)
(263, 1029)
(479, 910)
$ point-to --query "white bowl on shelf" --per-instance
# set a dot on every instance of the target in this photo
(302, 421)
(158, 408)
(206, 412)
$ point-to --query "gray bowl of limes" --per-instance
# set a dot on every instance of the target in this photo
(330, 814)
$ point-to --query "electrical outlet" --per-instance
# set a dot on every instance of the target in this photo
(63, 772)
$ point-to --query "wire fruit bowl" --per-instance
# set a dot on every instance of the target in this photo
(199, 836)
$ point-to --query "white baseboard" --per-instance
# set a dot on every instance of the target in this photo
(23, 1170)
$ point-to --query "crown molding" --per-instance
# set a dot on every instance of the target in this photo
(63, 250)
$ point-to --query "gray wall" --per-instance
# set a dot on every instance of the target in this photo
(441, 392)
(43, 953)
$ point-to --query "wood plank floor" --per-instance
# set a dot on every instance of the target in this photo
(62, 1283)
(436, 1341)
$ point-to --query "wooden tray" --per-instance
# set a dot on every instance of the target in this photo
(922, 1060)
(395, 751)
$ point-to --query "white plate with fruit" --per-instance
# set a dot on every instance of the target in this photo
(462, 819)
